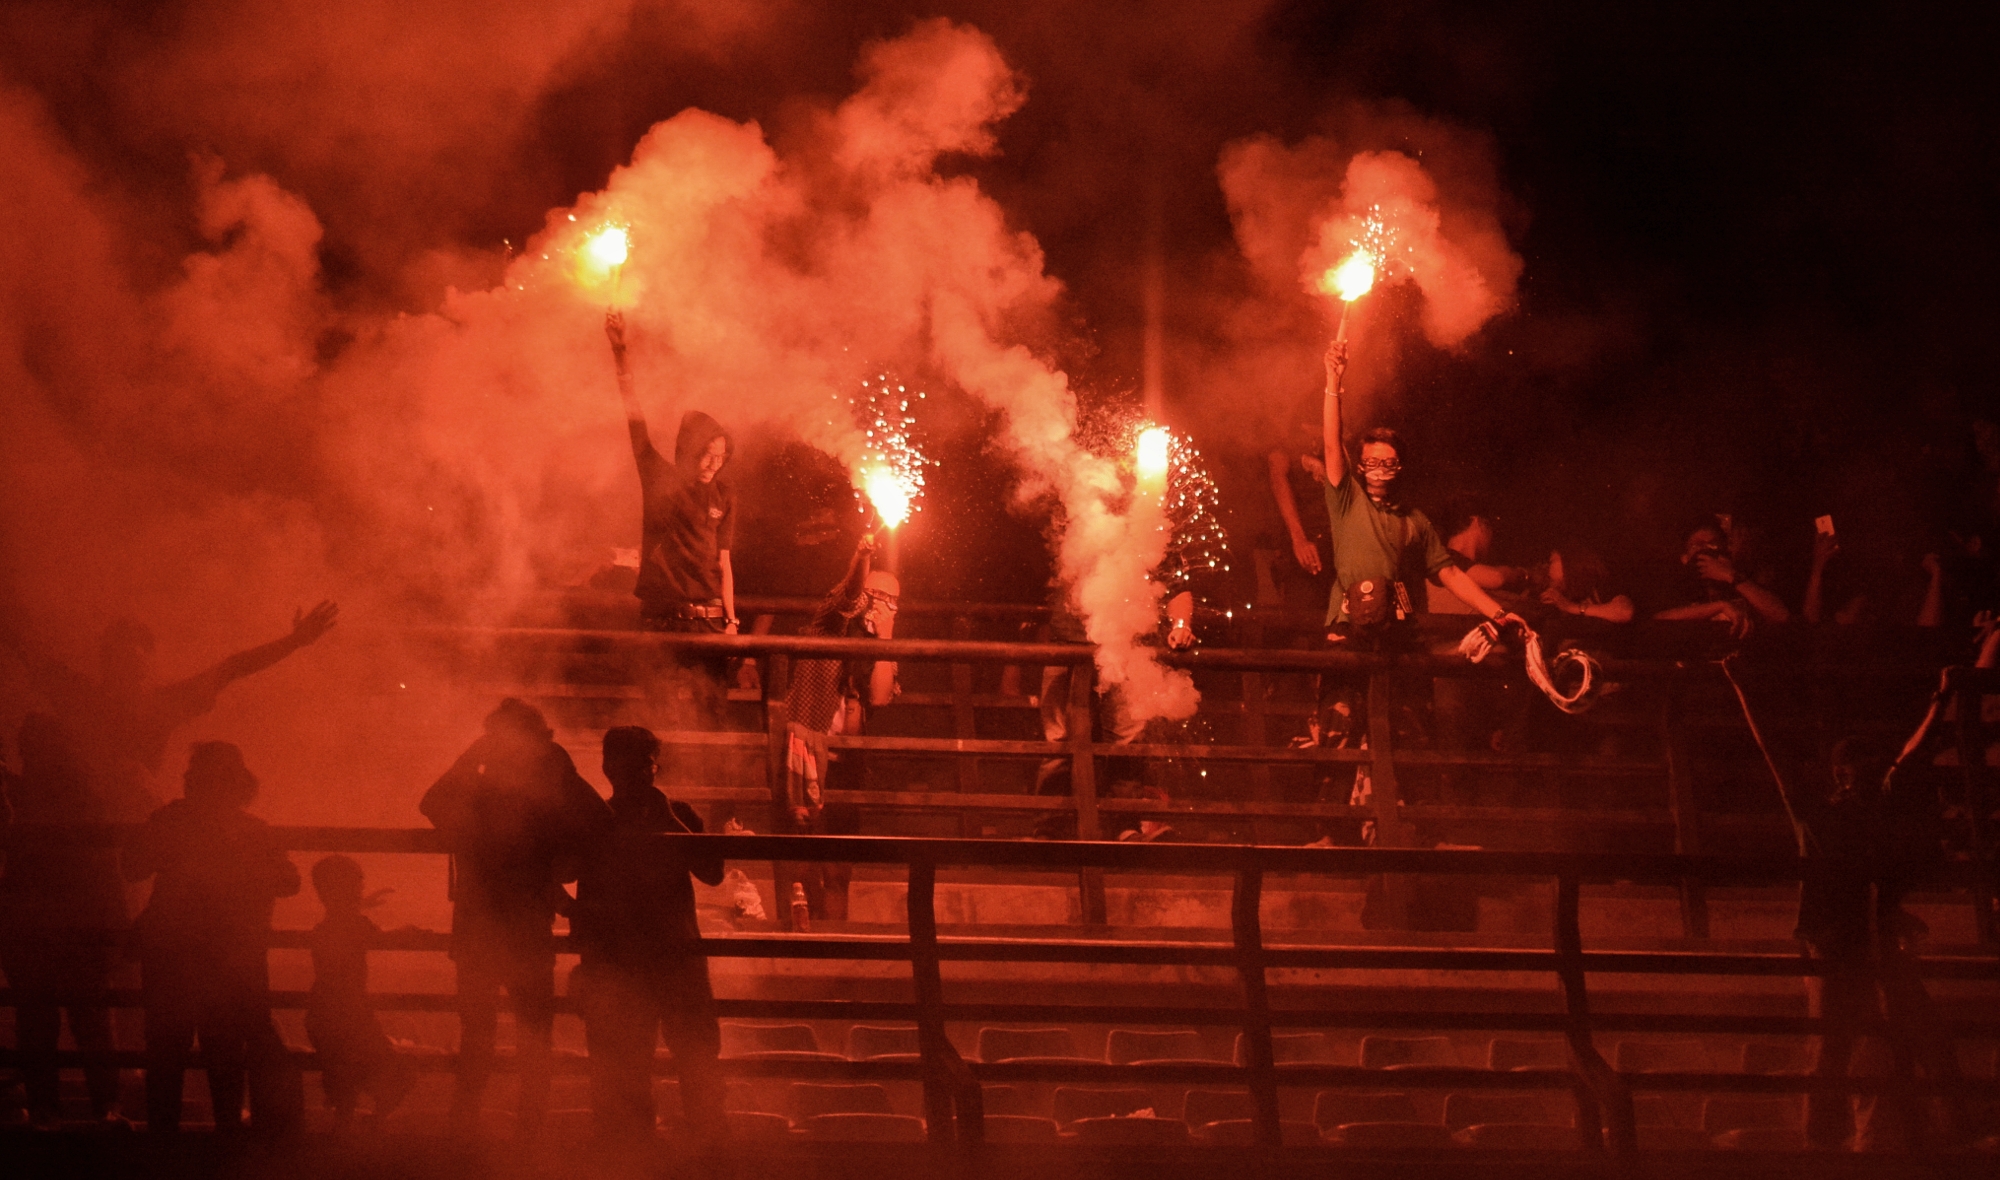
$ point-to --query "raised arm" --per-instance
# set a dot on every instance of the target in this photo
(1330, 424)
(307, 627)
(635, 418)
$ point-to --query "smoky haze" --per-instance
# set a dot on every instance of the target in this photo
(278, 323)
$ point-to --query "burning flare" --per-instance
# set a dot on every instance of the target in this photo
(887, 493)
(609, 247)
(1152, 453)
(1352, 279)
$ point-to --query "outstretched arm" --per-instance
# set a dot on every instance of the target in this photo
(307, 627)
(635, 418)
(1330, 425)
(1460, 583)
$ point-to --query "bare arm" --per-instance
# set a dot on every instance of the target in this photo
(1931, 613)
(307, 627)
(1469, 592)
(1303, 549)
(635, 418)
(1824, 548)
(1494, 577)
(1330, 425)
(1767, 604)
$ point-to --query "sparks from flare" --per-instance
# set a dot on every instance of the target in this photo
(891, 468)
(1376, 251)
(603, 255)
(1189, 500)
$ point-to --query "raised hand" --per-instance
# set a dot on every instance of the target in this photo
(1825, 548)
(309, 625)
(614, 331)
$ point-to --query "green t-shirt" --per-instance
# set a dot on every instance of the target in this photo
(1372, 540)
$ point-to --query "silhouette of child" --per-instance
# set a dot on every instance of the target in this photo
(355, 1055)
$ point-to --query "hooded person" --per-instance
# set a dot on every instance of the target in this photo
(688, 523)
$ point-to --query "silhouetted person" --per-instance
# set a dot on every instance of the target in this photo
(829, 697)
(121, 721)
(355, 1056)
(644, 973)
(60, 904)
(688, 524)
(217, 871)
(1853, 922)
(516, 817)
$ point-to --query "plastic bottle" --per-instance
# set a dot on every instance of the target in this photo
(801, 911)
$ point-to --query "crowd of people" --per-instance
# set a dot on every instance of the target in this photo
(521, 824)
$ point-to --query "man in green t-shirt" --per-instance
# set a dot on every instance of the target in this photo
(1382, 553)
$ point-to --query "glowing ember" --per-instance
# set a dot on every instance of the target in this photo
(891, 467)
(608, 247)
(1351, 279)
(891, 499)
(1152, 453)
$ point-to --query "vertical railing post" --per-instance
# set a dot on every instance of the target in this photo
(1247, 927)
(965, 724)
(777, 718)
(1386, 795)
(1254, 714)
(1604, 1104)
(1083, 781)
(954, 1108)
(1687, 815)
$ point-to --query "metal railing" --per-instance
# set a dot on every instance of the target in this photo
(1674, 711)
(952, 1085)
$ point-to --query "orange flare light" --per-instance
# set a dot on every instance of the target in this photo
(1352, 279)
(608, 247)
(1152, 454)
(887, 493)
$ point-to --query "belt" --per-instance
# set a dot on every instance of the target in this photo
(697, 610)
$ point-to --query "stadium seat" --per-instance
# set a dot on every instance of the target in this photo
(1203, 1107)
(1505, 1053)
(1333, 1109)
(1291, 1049)
(1665, 1123)
(1519, 1137)
(773, 1042)
(1755, 1122)
(1536, 1120)
(1537, 1107)
(1391, 1135)
(810, 1099)
(856, 1126)
(1126, 1046)
(867, 1042)
(1404, 1052)
(1243, 1133)
(1660, 1057)
(1009, 1100)
(1129, 1132)
(758, 1124)
(1021, 1128)
(1016, 1044)
(1776, 1057)
(1073, 1103)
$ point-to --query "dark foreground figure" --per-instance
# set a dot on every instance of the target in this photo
(217, 870)
(355, 1055)
(643, 972)
(517, 819)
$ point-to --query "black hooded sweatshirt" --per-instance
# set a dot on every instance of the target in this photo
(687, 523)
